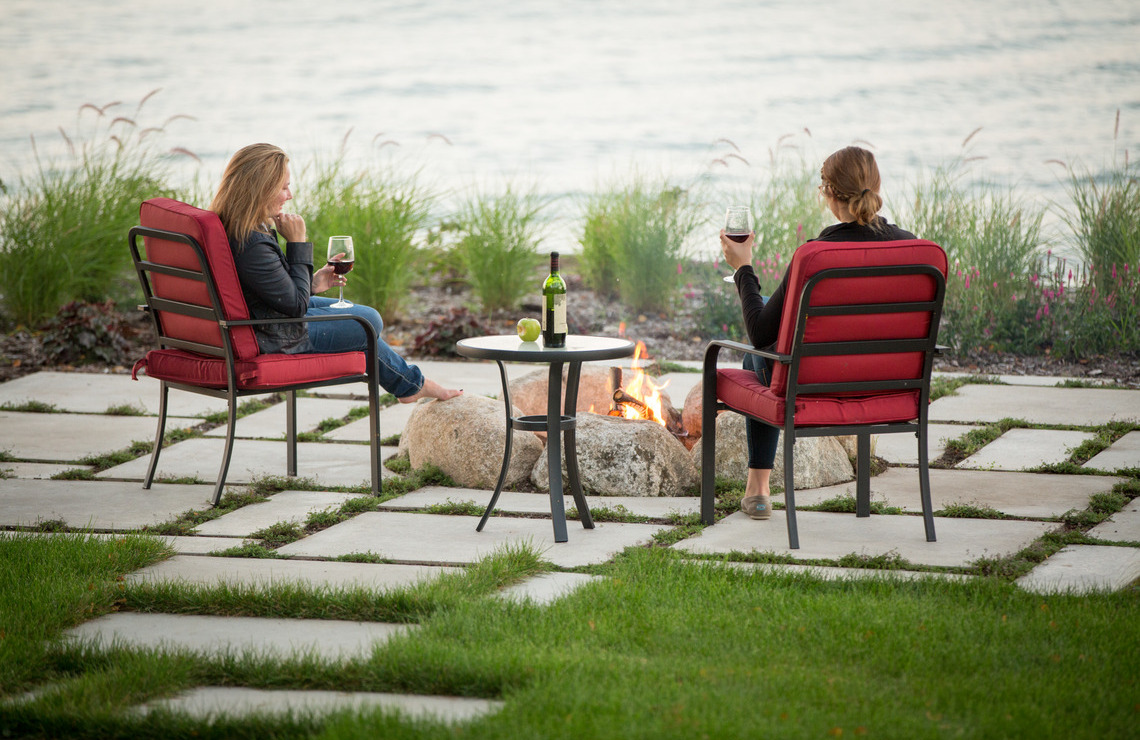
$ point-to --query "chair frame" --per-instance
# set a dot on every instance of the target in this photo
(863, 431)
(155, 306)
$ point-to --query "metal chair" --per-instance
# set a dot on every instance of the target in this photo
(854, 356)
(205, 336)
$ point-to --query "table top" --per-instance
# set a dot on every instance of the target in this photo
(579, 348)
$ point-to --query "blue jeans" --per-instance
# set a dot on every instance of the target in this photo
(395, 375)
(762, 439)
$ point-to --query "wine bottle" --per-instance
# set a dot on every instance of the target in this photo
(554, 307)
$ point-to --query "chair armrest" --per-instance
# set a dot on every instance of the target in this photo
(713, 349)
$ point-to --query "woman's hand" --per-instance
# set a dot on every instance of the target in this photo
(326, 278)
(737, 253)
(291, 226)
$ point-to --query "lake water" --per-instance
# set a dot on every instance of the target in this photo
(568, 96)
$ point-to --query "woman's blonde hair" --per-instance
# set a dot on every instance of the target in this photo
(252, 178)
(851, 176)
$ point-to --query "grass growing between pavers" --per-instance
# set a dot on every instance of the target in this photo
(662, 647)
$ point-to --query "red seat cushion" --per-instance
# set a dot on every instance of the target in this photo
(261, 372)
(206, 229)
(741, 391)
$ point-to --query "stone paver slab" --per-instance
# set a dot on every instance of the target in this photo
(270, 423)
(511, 502)
(547, 588)
(107, 505)
(1123, 526)
(902, 449)
(452, 540)
(211, 571)
(92, 393)
(831, 573)
(1038, 495)
(38, 471)
(1023, 449)
(393, 419)
(210, 702)
(286, 506)
(1036, 381)
(832, 536)
(1084, 568)
(63, 437)
(191, 545)
(329, 464)
(1123, 453)
(1075, 406)
(326, 639)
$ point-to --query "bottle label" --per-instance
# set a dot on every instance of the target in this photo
(560, 313)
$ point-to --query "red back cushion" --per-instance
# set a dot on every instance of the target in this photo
(814, 257)
(206, 229)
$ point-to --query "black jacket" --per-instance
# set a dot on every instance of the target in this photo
(276, 284)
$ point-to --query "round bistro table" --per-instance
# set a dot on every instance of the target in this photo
(578, 349)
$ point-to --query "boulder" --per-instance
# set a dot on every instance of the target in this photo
(820, 461)
(464, 437)
(623, 457)
(691, 416)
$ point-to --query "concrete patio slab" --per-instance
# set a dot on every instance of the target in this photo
(1035, 381)
(1076, 406)
(100, 505)
(511, 502)
(286, 506)
(452, 540)
(327, 464)
(325, 639)
(830, 573)
(832, 536)
(902, 449)
(393, 419)
(1123, 453)
(63, 437)
(1023, 449)
(263, 572)
(1123, 526)
(212, 702)
(547, 588)
(1037, 495)
(1084, 568)
(270, 423)
(38, 471)
(678, 385)
(191, 545)
(94, 393)
(472, 376)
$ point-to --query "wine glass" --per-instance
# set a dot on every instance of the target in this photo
(338, 245)
(737, 227)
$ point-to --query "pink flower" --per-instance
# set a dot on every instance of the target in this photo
(799, 232)
(995, 285)
(716, 264)
(1038, 317)
(679, 271)
(959, 273)
(1046, 308)
(967, 282)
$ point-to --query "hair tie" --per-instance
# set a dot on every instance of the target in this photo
(865, 191)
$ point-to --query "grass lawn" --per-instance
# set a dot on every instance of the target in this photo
(661, 647)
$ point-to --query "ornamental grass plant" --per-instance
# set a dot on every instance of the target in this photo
(384, 212)
(63, 227)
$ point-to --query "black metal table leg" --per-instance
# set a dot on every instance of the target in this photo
(571, 444)
(554, 450)
(506, 450)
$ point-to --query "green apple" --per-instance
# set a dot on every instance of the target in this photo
(529, 329)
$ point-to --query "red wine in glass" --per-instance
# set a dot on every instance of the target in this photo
(342, 267)
(737, 227)
(341, 245)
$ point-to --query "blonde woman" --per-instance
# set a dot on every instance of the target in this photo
(282, 283)
(849, 186)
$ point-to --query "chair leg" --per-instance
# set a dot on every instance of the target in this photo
(708, 450)
(163, 394)
(790, 489)
(863, 475)
(291, 433)
(230, 424)
(924, 482)
(374, 438)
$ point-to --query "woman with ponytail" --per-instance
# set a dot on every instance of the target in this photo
(850, 189)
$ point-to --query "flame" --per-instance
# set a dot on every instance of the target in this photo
(642, 387)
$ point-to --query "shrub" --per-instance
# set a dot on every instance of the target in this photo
(498, 240)
(382, 211)
(86, 332)
(440, 336)
(633, 244)
(63, 229)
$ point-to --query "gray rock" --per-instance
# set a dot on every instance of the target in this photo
(622, 457)
(691, 416)
(464, 437)
(819, 461)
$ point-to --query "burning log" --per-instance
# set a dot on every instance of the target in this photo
(673, 423)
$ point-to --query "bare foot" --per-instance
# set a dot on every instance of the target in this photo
(431, 389)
